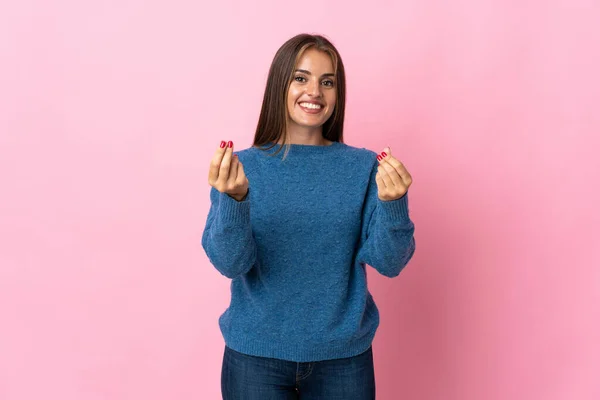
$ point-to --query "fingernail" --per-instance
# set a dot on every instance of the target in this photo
(384, 154)
(230, 143)
(223, 143)
(379, 157)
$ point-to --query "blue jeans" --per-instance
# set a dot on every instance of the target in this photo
(246, 377)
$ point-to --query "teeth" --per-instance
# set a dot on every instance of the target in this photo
(311, 105)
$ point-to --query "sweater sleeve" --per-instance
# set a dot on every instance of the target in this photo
(387, 240)
(227, 238)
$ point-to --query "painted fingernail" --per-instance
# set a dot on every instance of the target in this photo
(230, 144)
(384, 154)
(379, 157)
(223, 143)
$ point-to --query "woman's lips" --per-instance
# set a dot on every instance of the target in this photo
(312, 108)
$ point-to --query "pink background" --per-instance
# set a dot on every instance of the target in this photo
(110, 112)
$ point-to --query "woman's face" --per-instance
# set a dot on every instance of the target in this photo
(312, 94)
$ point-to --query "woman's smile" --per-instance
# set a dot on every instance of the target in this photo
(311, 107)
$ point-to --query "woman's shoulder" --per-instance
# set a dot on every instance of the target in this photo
(360, 150)
(243, 153)
(247, 157)
(360, 153)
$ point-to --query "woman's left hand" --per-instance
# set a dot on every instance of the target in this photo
(393, 179)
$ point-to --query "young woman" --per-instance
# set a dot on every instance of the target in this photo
(294, 230)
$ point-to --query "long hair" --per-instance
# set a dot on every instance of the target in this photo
(272, 123)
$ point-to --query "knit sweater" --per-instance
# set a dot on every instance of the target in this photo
(296, 247)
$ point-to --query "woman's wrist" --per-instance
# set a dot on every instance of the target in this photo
(240, 198)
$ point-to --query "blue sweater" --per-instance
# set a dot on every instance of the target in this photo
(296, 248)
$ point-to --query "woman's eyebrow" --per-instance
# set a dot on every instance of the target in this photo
(308, 73)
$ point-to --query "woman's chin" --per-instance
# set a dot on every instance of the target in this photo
(309, 122)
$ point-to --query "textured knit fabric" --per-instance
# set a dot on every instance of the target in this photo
(296, 248)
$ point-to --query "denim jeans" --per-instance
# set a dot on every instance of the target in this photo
(246, 377)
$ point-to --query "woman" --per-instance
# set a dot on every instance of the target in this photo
(294, 230)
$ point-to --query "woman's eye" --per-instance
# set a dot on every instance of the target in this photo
(328, 83)
(300, 79)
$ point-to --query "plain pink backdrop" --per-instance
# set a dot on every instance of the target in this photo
(110, 112)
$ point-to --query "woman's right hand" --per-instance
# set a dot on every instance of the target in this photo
(226, 173)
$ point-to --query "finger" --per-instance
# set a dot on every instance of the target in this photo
(385, 176)
(215, 163)
(241, 175)
(393, 174)
(225, 167)
(379, 180)
(400, 168)
(233, 171)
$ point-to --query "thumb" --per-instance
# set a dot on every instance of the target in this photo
(388, 150)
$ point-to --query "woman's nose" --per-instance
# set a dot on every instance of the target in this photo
(314, 89)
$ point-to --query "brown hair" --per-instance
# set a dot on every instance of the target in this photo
(272, 123)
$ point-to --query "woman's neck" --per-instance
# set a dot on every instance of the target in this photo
(314, 138)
